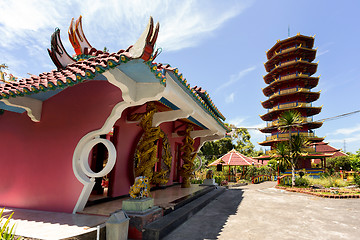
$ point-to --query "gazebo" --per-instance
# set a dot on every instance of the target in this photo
(234, 158)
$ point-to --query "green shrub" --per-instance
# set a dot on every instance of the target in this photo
(302, 182)
(357, 179)
(7, 232)
(219, 176)
(327, 182)
(196, 181)
(218, 179)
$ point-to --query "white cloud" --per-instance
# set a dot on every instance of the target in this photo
(324, 48)
(230, 98)
(256, 135)
(240, 122)
(343, 136)
(322, 53)
(182, 24)
(236, 77)
(352, 139)
(346, 131)
(236, 121)
(26, 26)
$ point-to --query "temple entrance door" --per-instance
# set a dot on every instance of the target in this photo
(98, 160)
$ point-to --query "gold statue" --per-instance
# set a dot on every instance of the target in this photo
(140, 189)
(209, 174)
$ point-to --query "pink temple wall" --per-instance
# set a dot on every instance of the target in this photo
(36, 158)
(127, 139)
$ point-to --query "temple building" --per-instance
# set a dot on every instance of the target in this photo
(89, 127)
(290, 69)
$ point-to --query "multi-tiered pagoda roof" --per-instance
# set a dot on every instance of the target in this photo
(290, 82)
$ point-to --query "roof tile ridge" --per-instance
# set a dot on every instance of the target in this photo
(231, 153)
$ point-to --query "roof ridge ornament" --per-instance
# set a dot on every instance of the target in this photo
(77, 37)
(58, 54)
(10, 78)
(143, 48)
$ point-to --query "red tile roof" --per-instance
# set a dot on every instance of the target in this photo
(91, 63)
(73, 74)
(234, 158)
(326, 148)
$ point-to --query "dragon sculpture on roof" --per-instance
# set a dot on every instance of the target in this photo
(10, 78)
(143, 48)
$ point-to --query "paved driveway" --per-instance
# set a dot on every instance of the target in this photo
(263, 212)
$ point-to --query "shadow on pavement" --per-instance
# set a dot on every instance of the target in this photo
(209, 222)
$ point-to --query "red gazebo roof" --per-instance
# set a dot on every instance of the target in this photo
(234, 158)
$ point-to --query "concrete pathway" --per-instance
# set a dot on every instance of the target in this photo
(33, 224)
(262, 212)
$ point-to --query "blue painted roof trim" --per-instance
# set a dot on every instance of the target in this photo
(168, 104)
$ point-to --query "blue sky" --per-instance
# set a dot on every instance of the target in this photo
(219, 45)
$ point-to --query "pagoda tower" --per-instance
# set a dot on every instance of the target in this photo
(290, 82)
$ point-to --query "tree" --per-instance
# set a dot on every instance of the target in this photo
(355, 160)
(277, 165)
(343, 162)
(281, 154)
(241, 138)
(214, 149)
(298, 143)
(292, 150)
(289, 152)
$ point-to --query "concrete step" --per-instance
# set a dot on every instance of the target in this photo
(178, 203)
(162, 227)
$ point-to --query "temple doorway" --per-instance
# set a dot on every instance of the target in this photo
(98, 159)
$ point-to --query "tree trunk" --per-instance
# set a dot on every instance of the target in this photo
(293, 174)
(292, 160)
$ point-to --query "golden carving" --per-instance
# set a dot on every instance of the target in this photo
(140, 189)
(188, 157)
(209, 174)
(147, 149)
(162, 177)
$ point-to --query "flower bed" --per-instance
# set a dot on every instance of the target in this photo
(326, 193)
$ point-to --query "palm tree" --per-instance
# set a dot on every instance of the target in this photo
(289, 121)
(281, 153)
(291, 150)
(298, 143)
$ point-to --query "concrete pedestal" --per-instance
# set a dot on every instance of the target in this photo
(209, 182)
(140, 212)
(137, 205)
